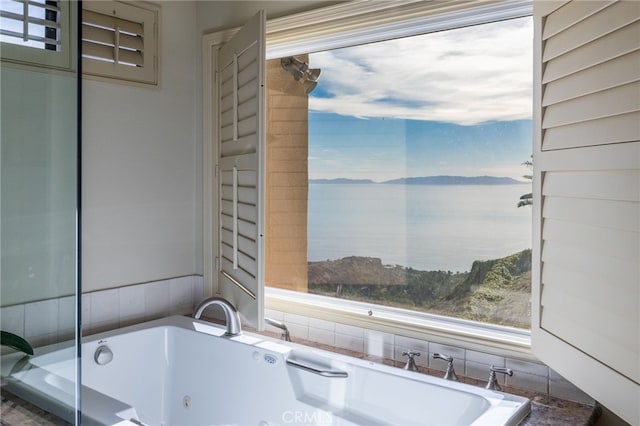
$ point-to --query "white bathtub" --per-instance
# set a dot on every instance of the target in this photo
(180, 371)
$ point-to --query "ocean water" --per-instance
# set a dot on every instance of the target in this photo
(426, 227)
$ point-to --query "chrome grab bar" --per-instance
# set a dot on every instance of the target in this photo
(315, 370)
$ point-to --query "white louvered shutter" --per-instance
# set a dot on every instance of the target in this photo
(586, 279)
(240, 77)
(119, 40)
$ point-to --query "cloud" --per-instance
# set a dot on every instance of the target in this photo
(464, 76)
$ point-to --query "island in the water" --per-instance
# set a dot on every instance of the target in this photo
(428, 180)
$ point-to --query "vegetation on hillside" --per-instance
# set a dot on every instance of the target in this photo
(496, 291)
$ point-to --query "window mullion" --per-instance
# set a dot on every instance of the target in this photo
(25, 21)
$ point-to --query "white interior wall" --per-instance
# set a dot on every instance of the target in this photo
(139, 178)
(142, 166)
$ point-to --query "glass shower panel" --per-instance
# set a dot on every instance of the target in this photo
(39, 209)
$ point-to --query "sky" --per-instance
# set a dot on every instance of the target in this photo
(453, 102)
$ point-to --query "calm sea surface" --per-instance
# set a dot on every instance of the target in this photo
(427, 227)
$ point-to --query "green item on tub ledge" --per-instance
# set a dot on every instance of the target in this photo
(16, 342)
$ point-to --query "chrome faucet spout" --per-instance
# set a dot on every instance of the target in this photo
(285, 331)
(231, 315)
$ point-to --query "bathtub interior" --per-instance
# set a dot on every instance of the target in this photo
(181, 371)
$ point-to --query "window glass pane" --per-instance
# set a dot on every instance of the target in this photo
(38, 14)
(415, 150)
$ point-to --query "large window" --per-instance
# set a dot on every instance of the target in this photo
(395, 177)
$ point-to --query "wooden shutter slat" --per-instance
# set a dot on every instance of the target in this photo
(131, 57)
(598, 346)
(604, 214)
(575, 281)
(608, 130)
(97, 50)
(603, 242)
(569, 14)
(618, 43)
(244, 145)
(616, 185)
(105, 36)
(90, 17)
(615, 101)
(616, 16)
(613, 73)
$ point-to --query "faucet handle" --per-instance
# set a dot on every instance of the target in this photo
(493, 384)
(411, 362)
(450, 374)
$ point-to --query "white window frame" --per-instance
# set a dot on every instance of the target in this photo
(61, 59)
(147, 14)
(345, 25)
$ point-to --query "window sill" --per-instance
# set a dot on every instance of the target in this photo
(493, 339)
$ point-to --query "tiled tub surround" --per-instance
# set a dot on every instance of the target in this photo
(53, 320)
(108, 309)
(554, 400)
(528, 376)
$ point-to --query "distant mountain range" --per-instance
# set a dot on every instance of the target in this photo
(429, 180)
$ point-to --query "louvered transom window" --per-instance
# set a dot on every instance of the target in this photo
(36, 32)
(119, 41)
(34, 23)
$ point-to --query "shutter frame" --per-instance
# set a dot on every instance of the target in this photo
(587, 198)
(120, 41)
(240, 129)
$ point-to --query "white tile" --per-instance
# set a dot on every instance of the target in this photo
(350, 330)
(85, 320)
(351, 343)
(273, 314)
(379, 348)
(181, 291)
(41, 319)
(527, 367)
(181, 310)
(322, 324)
(526, 381)
(105, 308)
(297, 331)
(560, 387)
(12, 318)
(131, 302)
(67, 318)
(197, 281)
(404, 344)
(477, 365)
(379, 336)
(272, 329)
(379, 344)
(322, 336)
(478, 371)
(43, 340)
(156, 299)
(296, 319)
(484, 358)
